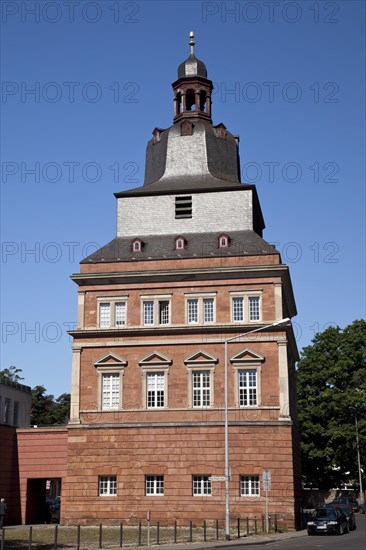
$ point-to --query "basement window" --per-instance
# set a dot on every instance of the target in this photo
(183, 207)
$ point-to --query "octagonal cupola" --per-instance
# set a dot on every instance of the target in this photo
(192, 90)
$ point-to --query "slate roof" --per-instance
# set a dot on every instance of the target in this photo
(198, 245)
(192, 67)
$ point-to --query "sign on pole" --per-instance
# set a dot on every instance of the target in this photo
(266, 488)
(266, 480)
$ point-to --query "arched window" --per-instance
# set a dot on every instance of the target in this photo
(136, 245)
(223, 241)
(179, 102)
(190, 100)
(203, 96)
(180, 243)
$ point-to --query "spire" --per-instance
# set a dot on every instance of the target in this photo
(192, 90)
(191, 42)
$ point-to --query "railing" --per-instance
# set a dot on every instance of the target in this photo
(126, 535)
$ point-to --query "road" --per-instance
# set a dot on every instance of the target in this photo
(355, 540)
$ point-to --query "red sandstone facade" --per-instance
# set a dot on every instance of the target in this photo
(188, 270)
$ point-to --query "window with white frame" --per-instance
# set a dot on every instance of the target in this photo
(112, 312)
(156, 310)
(107, 486)
(110, 391)
(154, 485)
(248, 388)
(200, 308)
(246, 306)
(201, 388)
(249, 486)
(155, 390)
(238, 309)
(254, 314)
(201, 485)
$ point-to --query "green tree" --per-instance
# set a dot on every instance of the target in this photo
(12, 374)
(46, 411)
(331, 386)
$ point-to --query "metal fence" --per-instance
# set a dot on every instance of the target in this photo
(56, 537)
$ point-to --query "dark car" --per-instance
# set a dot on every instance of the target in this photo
(352, 502)
(362, 508)
(327, 520)
(351, 518)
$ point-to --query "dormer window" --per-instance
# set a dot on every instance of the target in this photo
(137, 245)
(220, 131)
(156, 135)
(180, 243)
(223, 241)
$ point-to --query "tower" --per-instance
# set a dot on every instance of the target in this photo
(188, 271)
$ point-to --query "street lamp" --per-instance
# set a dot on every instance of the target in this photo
(227, 467)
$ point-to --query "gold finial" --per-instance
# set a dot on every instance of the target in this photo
(191, 41)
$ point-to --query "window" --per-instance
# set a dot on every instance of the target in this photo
(245, 306)
(200, 308)
(107, 486)
(192, 311)
(201, 485)
(155, 369)
(238, 310)
(112, 313)
(183, 207)
(149, 313)
(16, 413)
(104, 315)
(223, 241)
(154, 485)
(249, 486)
(201, 387)
(253, 308)
(208, 310)
(247, 387)
(155, 384)
(180, 243)
(110, 391)
(137, 245)
(7, 411)
(156, 310)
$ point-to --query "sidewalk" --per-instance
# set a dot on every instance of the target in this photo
(252, 539)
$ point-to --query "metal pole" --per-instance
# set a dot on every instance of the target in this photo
(359, 461)
(227, 467)
(267, 519)
(227, 479)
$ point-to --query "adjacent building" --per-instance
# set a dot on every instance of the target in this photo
(187, 270)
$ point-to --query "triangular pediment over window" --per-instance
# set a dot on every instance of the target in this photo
(200, 358)
(247, 356)
(111, 360)
(155, 358)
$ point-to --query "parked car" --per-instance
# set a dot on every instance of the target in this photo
(362, 508)
(352, 502)
(327, 520)
(351, 518)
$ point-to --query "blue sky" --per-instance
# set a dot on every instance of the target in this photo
(84, 83)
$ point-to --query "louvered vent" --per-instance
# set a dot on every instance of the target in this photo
(183, 207)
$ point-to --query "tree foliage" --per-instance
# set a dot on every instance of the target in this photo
(331, 385)
(46, 410)
(12, 374)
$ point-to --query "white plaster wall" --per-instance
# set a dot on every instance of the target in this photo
(211, 212)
